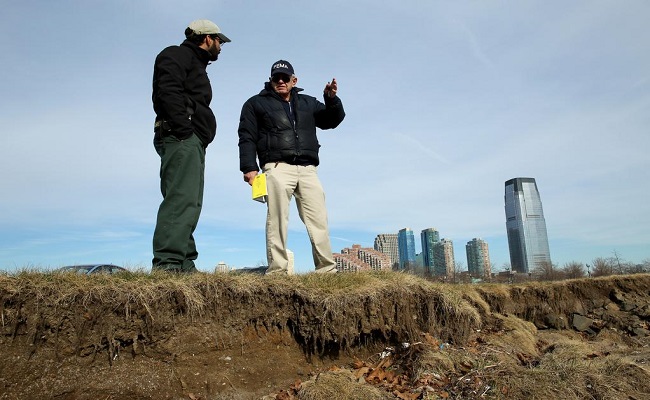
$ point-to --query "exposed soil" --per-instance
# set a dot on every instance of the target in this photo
(213, 336)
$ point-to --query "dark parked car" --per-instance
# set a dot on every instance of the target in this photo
(93, 269)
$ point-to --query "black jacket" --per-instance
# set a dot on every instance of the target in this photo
(182, 92)
(265, 129)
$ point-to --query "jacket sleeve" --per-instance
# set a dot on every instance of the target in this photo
(248, 135)
(170, 98)
(331, 114)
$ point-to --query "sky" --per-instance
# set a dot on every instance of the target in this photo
(445, 101)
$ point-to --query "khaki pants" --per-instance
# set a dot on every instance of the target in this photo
(284, 181)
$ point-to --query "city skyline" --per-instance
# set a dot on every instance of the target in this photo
(472, 94)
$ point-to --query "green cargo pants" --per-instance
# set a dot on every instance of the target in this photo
(182, 168)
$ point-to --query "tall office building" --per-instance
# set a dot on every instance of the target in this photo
(443, 258)
(387, 244)
(429, 237)
(478, 258)
(527, 238)
(406, 244)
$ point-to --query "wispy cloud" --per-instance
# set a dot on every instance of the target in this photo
(415, 144)
(474, 46)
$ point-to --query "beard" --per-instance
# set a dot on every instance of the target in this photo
(214, 53)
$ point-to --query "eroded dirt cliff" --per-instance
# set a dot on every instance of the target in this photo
(217, 336)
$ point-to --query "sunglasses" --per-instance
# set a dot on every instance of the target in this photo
(281, 77)
(218, 39)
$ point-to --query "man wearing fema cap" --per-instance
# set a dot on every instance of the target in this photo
(278, 128)
(184, 127)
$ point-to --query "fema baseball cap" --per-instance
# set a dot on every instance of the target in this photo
(281, 67)
(204, 27)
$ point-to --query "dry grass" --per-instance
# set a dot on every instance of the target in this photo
(567, 370)
(405, 304)
(341, 384)
(508, 368)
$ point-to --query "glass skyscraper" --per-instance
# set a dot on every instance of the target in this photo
(406, 244)
(428, 237)
(527, 238)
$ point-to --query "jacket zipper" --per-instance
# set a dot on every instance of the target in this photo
(295, 130)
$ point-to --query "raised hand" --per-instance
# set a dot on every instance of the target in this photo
(331, 88)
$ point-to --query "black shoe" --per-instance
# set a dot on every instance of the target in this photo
(170, 268)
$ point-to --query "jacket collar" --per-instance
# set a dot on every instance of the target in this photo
(202, 54)
(268, 91)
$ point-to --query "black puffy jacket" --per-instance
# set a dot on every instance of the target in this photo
(181, 89)
(265, 129)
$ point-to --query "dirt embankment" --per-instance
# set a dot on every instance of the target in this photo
(214, 336)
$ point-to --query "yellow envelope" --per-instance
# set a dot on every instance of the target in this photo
(259, 188)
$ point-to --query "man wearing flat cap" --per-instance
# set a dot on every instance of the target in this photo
(278, 128)
(184, 127)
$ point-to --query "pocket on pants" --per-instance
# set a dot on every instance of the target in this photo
(268, 167)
